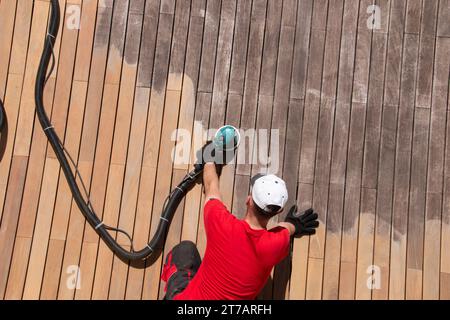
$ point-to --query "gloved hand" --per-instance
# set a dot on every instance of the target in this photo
(305, 222)
(209, 153)
(206, 154)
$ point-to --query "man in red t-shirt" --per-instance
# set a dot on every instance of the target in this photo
(240, 254)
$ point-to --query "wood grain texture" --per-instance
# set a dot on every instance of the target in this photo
(356, 119)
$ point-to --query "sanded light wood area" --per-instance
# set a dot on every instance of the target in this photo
(353, 96)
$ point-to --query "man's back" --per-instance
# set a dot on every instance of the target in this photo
(238, 260)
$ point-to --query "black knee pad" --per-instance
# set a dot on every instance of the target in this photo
(185, 256)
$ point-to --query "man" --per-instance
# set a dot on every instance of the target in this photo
(240, 254)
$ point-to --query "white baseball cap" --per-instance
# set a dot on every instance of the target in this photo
(269, 190)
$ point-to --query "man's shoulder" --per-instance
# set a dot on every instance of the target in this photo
(216, 207)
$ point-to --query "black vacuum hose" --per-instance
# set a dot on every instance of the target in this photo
(157, 242)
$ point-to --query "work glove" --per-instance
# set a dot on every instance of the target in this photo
(305, 222)
(210, 153)
(206, 154)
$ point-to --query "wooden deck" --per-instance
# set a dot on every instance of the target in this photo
(363, 116)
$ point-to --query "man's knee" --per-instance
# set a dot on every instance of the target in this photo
(186, 255)
(186, 245)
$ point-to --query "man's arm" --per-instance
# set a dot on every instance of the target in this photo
(301, 223)
(288, 226)
(211, 182)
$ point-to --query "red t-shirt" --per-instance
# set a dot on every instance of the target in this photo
(238, 260)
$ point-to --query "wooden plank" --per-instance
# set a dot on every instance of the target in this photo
(445, 231)
(135, 156)
(50, 281)
(172, 111)
(31, 192)
(301, 56)
(153, 138)
(147, 180)
(168, 6)
(296, 77)
(352, 199)
(384, 199)
(331, 215)
(426, 54)
(209, 48)
(72, 141)
(7, 18)
(11, 97)
(26, 115)
(12, 100)
(163, 182)
(39, 245)
(347, 272)
(148, 43)
(413, 16)
(362, 56)
(309, 139)
(394, 53)
(386, 162)
(76, 223)
(18, 269)
(193, 206)
(354, 195)
(120, 210)
(131, 141)
(60, 118)
(39, 224)
(374, 112)
(240, 46)
(99, 184)
(251, 85)
(106, 114)
(282, 92)
(10, 216)
(300, 249)
(198, 8)
(443, 28)
(417, 204)
(63, 201)
(86, 35)
(435, 180)
(183, 159)
(403, 169)
(312, 102)
(21, 37)
(270, 50)
(365, 248)
(297, 288)
(223, 64)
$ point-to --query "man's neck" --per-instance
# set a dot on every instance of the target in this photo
(255, 223)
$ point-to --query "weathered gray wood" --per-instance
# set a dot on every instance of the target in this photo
(374, 111)
(417, 191)
(252, 77)
(209, 50)
(240, 46)
(413, 15)
(443, 29)
(403, 169)
(301, 50)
